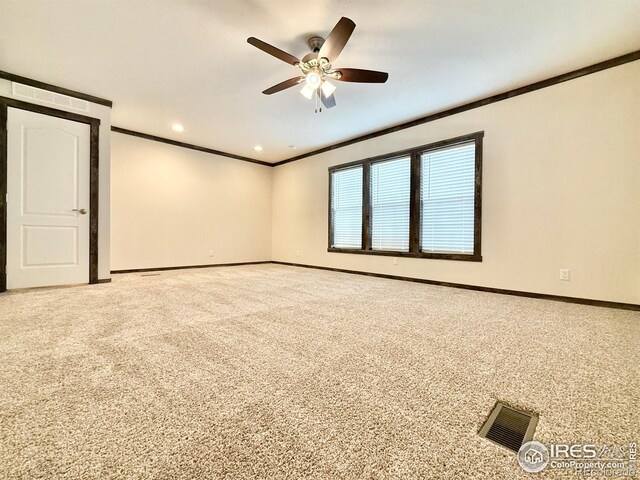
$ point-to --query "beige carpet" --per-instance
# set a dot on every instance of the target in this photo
(270, 371)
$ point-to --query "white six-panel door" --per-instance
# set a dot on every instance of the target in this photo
(48, 191)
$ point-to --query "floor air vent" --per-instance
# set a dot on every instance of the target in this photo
(508, 427)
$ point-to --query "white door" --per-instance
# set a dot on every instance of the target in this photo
(47, 201)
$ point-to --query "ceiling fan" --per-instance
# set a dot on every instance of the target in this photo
(317, 67)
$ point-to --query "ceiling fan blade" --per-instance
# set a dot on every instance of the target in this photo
(362, 76)
(337, 39)
(271, 50)
(329, 101)
(292, 82)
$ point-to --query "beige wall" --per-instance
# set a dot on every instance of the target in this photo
(171, 206)
(561, 190)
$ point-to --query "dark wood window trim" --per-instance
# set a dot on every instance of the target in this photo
(366, 206)
(94, 174)
(414, 215)
(365, 211)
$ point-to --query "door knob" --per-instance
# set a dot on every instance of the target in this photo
(81, 211)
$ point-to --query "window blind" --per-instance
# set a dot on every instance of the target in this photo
(346, 207)
(447, 187)
(390, 204)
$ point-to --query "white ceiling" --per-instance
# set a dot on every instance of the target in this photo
(165, 61)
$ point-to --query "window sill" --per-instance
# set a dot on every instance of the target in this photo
(435, 256)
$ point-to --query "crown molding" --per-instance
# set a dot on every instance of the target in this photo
(597, 67)
(190, 146)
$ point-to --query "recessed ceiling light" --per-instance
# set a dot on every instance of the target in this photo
(176, 127)
(292, 147)
(257, 148)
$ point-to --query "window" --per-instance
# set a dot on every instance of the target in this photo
(447, 192)
(390, 195)
(346, 208)
(424, 202)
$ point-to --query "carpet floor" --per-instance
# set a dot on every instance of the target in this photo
(270, 371)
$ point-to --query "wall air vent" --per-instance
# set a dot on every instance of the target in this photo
(45, 96)
(508, 427)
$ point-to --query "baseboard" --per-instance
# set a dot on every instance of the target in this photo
(184, 267)
(543, 296)
(104, 280)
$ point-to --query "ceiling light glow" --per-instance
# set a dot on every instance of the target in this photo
(257, 148)
(313, 80)
(176, 127)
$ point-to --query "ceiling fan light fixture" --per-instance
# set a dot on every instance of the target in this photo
(316, 67)
(313, 80)
(327, 88)
(307, 92)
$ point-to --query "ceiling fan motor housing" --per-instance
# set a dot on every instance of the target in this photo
(315, 43)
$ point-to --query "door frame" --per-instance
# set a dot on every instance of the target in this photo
(94, 175)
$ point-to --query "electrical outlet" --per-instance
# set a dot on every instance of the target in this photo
(211, 253)
(565, 274)
(297, 253)
(395, 260)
